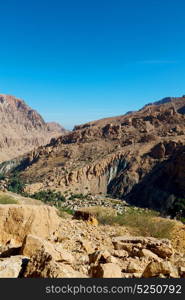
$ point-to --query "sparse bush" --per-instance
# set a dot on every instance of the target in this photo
(16, 185)
(78, 196)
(4, 199)
(65, 212)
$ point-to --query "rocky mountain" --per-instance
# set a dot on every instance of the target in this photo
(22, 128)
(136, 157)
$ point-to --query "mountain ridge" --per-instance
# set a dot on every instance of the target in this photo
(22, 128)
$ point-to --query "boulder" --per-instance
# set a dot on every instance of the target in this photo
(133, 267)
(155, 269)
(87, 246)
(182, 272)
(86, 215)
(17, 221)
(108, 270)
(10, 248)
(120, 253)
(11, 267)
(135, 245)
(148, 254)
(99, 257)
(32, 243)
(163, 251)
(158, 151)
(42, 265)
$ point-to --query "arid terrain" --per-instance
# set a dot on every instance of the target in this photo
(118, 156)
(82, 197)
(22, 128)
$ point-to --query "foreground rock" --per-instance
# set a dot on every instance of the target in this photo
(32, 244)
(17, 221)
(160, 269)
(162, 247)
(35, 242)
(108, 270)
(11, 267)
(43, 265)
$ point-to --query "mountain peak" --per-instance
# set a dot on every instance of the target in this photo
(22, 128)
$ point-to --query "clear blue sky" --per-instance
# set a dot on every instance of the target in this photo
(81, 60)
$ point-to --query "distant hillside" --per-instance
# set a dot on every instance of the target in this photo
(22, 128)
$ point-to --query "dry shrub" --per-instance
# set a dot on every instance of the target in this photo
(142, 223)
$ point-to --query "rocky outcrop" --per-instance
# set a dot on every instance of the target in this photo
(22, 128)
(43, 265)
(12, 267)
(17, 221)
(33, 243)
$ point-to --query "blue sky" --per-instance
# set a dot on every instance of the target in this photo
(78, 60)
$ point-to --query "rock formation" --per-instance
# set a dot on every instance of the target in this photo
(22, 128)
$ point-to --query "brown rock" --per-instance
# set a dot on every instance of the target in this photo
(99, 257)
(163, 251)
(120, 253)
(133, 267)
(11, 267)
(182, 272)
(32, 243)
(22, 128)
(17, 221)
(42, 265)
(87, 246)
(155, 269)
(108, 270)
(158, 151)
(149, 254)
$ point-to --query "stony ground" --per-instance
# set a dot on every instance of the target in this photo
(36, 242)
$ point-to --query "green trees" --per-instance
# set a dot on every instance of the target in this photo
(50, 197)
(16, 185)
(178, 209)
(2, 177)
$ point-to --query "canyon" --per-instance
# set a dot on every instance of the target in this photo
(136, 157)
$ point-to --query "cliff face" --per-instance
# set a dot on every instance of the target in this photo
(124, 156)
(22, 128)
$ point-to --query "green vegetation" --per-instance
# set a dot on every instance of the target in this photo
(141, 222)
(78, 196)
(178, 210)
(65, 212)
(49, 197)
(4, 199)
(16, 185)
(2, 177)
